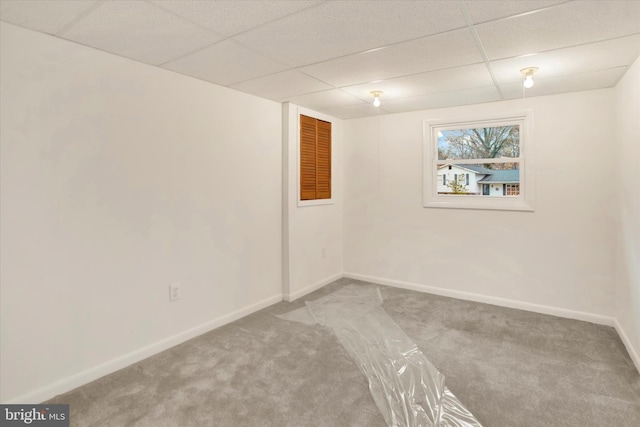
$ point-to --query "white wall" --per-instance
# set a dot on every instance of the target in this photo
(312, 238)
(627, 182)
(558, 258)
(117, 179)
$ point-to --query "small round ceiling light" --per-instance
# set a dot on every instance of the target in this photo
(376, 97)
(528, 76)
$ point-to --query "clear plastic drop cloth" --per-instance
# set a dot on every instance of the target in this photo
(407, 389)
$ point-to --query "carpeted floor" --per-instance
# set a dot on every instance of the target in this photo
(510, 368)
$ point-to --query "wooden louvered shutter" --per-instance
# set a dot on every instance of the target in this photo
(315, 159)
(323, 160)
(307, 158)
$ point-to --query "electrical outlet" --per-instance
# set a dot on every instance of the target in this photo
(175, 292)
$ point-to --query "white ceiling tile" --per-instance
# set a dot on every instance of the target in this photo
(470, 76)
(338, 28)
(488, 10)
(140, 31)
(442, 100)
(416, 56)
(567, 24)
(281, 85)
(572, 60)
(354, 111)
(566, 83)
(233, 16)
(225, 63)
(325, 99)
(42, 15)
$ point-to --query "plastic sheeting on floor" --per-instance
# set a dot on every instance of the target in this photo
(408, 390)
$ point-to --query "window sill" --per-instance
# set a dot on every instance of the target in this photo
(319, 202)
(480, 202)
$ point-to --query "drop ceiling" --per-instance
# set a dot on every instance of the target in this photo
(329, 55)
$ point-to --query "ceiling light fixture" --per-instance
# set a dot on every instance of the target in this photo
(528, 76)
(376, 97)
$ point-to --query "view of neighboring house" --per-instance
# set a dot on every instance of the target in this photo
(479, 180)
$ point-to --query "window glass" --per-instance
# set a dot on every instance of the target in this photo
(479, 143)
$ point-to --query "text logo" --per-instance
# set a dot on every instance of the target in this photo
(34, 415)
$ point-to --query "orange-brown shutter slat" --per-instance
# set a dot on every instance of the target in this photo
(323, 160)
(307, 158)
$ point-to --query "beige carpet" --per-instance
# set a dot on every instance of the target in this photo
(508, 367)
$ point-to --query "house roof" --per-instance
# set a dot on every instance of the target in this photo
(492, 175)
(507, 176)
(478, 169)
(464, 167)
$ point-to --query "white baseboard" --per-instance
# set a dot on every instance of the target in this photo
(62, 386)
(292, 296)
(503, 302)
(627, 343)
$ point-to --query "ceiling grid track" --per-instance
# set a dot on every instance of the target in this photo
(78, 18)
(476, 37)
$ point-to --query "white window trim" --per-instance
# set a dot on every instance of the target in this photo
(310, 113)
(523, 202)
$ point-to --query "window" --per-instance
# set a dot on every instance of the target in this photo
(315, 158)
(512, 190)
(482, 160)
